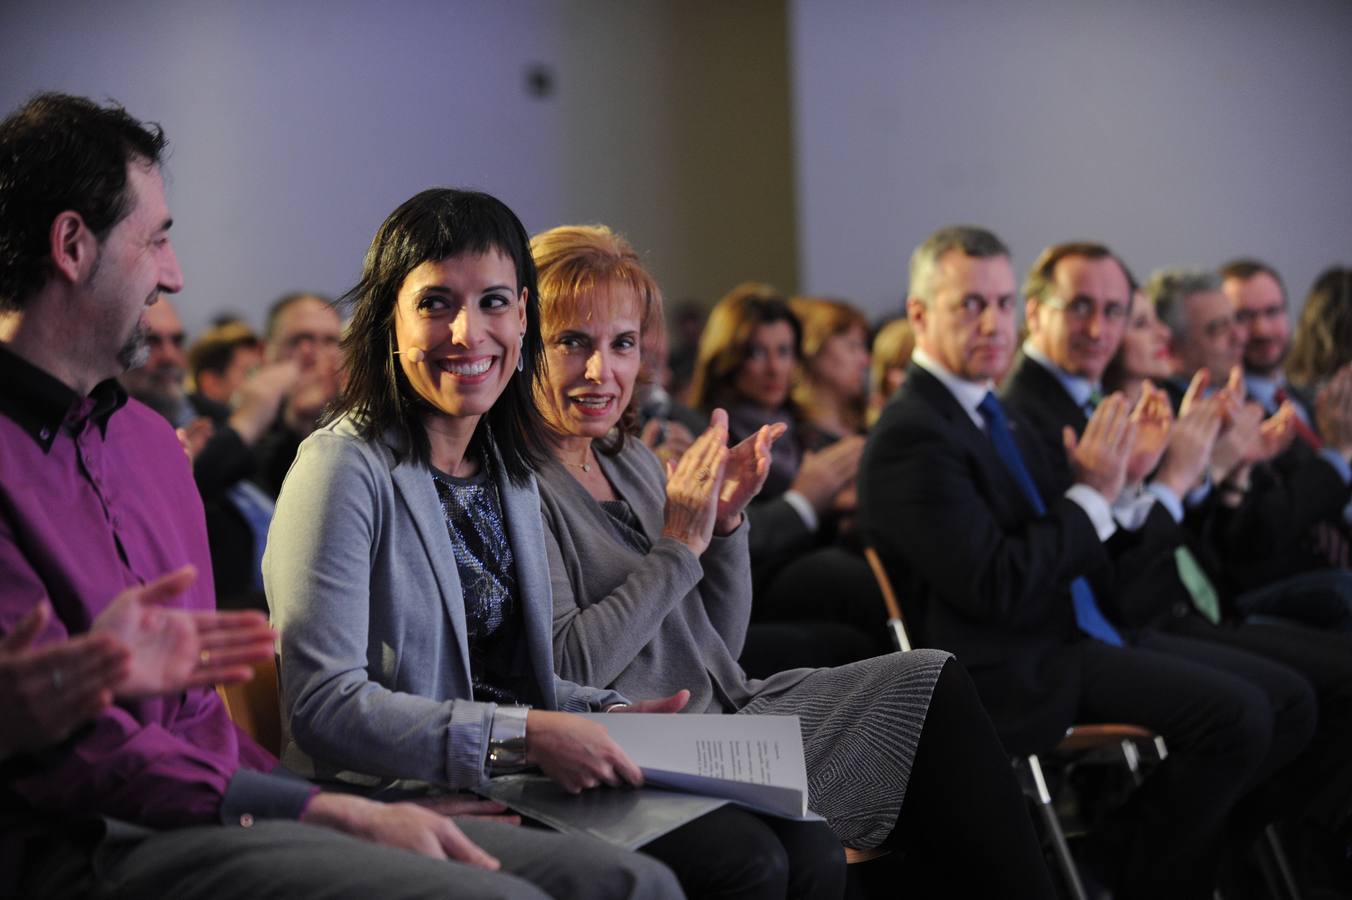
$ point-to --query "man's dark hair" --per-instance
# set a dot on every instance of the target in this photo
(59, 153)
(282, 304)
(428, 227)
(1246, 267)
(215, 349)
(1038, 284)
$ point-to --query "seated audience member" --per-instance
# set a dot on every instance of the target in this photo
(157, 796)
(1004, 565)
(747, 357)
(652, 590)
(1080, 307)
(218, 439)
(1322, 345)
(159, 381)
(1262, 317)
(302, 329)
(829, 389)
(1287, 497)
(892, 347)
(407, 570)
(221, 360)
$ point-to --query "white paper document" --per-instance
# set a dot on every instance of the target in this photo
(756, 761)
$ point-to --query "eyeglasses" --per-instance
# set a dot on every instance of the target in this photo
(1083, 308)
(1249, 316)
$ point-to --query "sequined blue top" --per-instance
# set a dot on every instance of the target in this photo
(499, 665)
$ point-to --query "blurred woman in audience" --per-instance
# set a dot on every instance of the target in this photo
(1143, 354)
(651, 586)
(1323, 341)
(746, 364)
(892, 348)
(829, 389)
(406, 567)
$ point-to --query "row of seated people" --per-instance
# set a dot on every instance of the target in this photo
(445, 653)
(471, 518)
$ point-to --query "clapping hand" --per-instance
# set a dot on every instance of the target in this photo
(1276, 433)
(47, 692)
(693, 486)
(1154, 418)
(172, 650)
(1333, 412)
(1099, 457)
(745, 474)
(667, 438)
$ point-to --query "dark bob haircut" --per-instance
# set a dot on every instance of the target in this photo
(428, 227)
(59, 153)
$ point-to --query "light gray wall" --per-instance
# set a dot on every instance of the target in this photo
(1179, 133)
(297, 126)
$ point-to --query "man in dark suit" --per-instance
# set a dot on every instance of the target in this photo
(1170, 600)
(1263, 323)
(1005, 567)
(1287, 506)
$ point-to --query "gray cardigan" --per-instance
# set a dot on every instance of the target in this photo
(647, 625)
(363, 588)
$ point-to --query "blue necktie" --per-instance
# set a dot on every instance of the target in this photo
(1087, 614)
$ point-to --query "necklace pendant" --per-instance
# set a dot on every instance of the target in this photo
(586, 467)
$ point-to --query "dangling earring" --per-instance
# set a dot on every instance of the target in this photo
(521, 354)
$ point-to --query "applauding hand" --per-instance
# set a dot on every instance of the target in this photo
(693, 486)
(172, 650)
(47, 692)
(745, 474)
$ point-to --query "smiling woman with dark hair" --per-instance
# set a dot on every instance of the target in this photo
(405, 568)
(408, 576)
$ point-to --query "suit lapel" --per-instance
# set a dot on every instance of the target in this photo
(526, 534)
(975, 441)
(1034, 386)
(414, 485)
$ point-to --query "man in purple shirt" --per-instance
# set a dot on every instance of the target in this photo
(162, 795)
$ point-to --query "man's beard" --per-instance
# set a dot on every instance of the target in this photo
(136, 350)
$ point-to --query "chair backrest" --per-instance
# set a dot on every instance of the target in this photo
(255, 706)
(895, 621)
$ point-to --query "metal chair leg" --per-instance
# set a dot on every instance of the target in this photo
(1275, 849)
(1052, 826)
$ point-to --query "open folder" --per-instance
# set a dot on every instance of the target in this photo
(692, 764)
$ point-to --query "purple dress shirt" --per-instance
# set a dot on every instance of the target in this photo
(96, 495)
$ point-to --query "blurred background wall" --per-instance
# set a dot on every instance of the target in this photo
(802, 142)
(1177, 133)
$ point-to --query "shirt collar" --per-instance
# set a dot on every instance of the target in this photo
(1078, 387)
(969, 394)
(41, 404)
(1263, 388)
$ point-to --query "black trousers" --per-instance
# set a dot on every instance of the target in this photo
(1220, 729)
(734, 853)
(964, 828)
(1317, 786)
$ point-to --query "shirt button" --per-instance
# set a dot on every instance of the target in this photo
(45, 433)
(246, 821)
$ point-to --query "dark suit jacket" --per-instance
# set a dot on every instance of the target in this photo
(1269, 536)
(978, 572)
(1148, 587)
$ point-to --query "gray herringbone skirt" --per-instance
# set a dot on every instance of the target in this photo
(861, 724)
